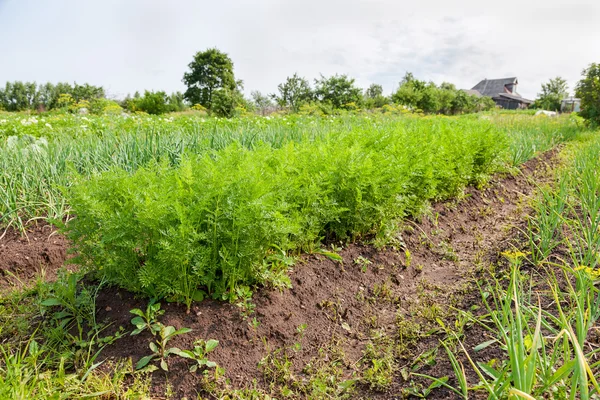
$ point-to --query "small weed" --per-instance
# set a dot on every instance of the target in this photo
(148, 319)
(363, 263)
(244, 301)
(160, 351)
(199, 354)
(380, 360)
(276, 367)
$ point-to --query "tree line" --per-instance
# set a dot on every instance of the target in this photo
(213, 88)
(21, 96)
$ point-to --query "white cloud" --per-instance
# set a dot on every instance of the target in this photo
(136, 45)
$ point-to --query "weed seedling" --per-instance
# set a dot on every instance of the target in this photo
(199, 354)
(159, 347)
(148, 319)
(363, 263)
(244, 301)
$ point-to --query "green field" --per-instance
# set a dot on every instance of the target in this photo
(182, 207)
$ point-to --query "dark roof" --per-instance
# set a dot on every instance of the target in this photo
(512, 97)
(491, 87)
(472, 92)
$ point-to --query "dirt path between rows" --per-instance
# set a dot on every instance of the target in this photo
(376, 303)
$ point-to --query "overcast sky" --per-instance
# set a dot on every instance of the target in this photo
(129, 45)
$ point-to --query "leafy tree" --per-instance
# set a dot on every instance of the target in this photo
(430, 99)
(410, 91)
(337, 90)
(152, 103)
(229, 102)
(463, 103)
(374, 91)
(19, 96)
(374, 97)
(484, 103)
(293, 93)
(87, 92)
(209, 71)
(262, 103)
(588, 90)
(446, 94)
(176, 102)
(552, 94)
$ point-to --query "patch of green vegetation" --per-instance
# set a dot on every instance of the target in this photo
(541, 323)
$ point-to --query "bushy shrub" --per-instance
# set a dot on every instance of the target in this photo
(209, 223)
(104, 106)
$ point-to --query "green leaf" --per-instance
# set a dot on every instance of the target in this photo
(137, 311)
(153, 347)
(193, 368)
(180, 332)
(167, 331)
(483, 345)
(211, 364)
(436, 384)
(138, 322)
(331, 255)
(493, 373)
(143, 361)
(51, 302)
(186, 354)
(211, 345)
(173, 350)
(163, 365)
(562, 372)
(63, 314)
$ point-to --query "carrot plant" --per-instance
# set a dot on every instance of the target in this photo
(207, 224)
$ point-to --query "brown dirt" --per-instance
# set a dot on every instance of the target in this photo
(341, 304)
(23, 258)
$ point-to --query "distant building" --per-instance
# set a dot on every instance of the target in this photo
(503, 92)
(570, 104)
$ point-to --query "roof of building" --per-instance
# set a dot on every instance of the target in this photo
(491, 87)
(511, 96)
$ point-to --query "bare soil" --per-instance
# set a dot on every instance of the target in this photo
(432, 267)
(23, 258)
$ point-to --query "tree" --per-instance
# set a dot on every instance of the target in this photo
(374, 97)
(87, 92)
(229, 102)
(19, 96)
(374, 91)
(176, 102)
(430, 99)
(293, 93)
(446, 94)
(410, 91)
(210, 71)
(588, 90)
(152, 103)
(463, 102)
(338, 90)
(262, 102)
(552, 94)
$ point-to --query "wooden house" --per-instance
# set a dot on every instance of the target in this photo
(503, 92)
